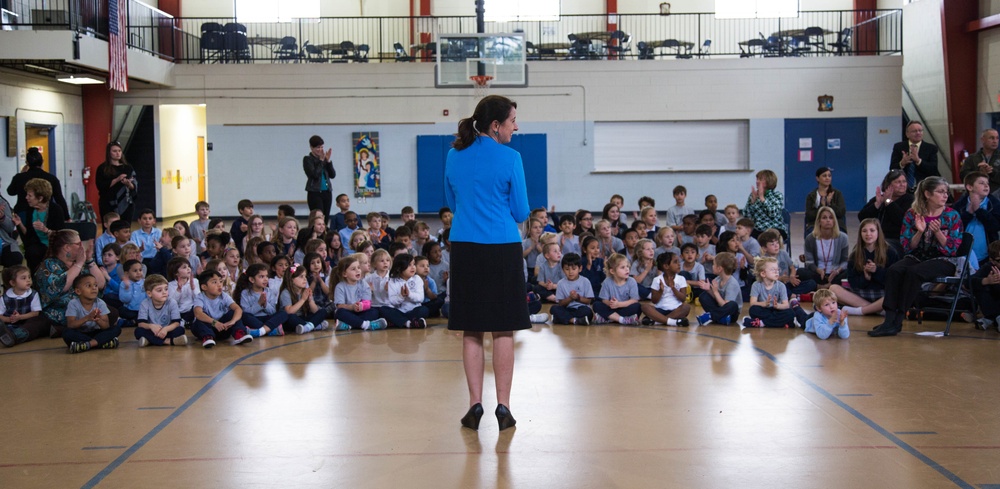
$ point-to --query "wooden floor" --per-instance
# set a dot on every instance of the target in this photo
(597, 406)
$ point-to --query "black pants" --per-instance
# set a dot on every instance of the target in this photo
(321, 200)
(904, 278)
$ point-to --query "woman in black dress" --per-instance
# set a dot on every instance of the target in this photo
(116, 183)
(485, 188)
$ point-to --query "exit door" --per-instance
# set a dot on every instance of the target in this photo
(43, 138)
(840, 144)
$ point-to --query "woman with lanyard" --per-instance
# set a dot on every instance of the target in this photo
(889, 205)
(319, 176)
(116, 183)
(931, 235)
(485, 188)
(826, 250)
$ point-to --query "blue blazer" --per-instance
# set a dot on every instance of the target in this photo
(485, 189)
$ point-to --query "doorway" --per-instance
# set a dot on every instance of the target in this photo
(840, 144)
(42, 137)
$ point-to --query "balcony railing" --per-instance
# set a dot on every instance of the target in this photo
(574, 37)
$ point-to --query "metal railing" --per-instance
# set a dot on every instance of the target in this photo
(846, 32)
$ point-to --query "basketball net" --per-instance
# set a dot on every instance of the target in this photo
(482, 84)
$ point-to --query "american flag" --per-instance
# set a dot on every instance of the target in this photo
(117, 50)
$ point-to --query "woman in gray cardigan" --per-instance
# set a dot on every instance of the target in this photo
(826, 250)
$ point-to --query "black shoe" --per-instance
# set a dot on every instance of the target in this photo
(683, 322)
(884, 331)
(471, 418)
(504, 418)
(647, 321)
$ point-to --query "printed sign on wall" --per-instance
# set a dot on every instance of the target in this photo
(367, 165)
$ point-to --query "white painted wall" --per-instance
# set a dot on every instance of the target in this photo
(260, 116)
(40, 101)
(328, 8)
(923, 73)
(178, 129)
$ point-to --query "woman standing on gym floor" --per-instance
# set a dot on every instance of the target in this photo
(485, 188)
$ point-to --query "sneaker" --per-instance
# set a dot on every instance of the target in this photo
(683, 322)
(538, 318)
(629, 320)
(7, 337)
(756, 323)
(704, 319)
(79, 346)
(279, 331)
(207, 342)
(533, 297)
(793, 303)
(378, 324)
(725, 320)
(598, 319)
(969, 318)
(241, 337)
(304, 328)
(180, 340)
(342, 326)
(419, 323)
(584, 321)
(322, 326)
(110, 345)
(143, 342)
(646, 321)
(256, 333)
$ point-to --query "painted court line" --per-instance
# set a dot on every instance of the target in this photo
(195, 377)
(915, 433)
(154, 408)
(854, 395)
(105, 448)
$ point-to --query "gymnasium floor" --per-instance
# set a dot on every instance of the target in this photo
(597, 406)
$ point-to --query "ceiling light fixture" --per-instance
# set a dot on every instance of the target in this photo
(81, 79)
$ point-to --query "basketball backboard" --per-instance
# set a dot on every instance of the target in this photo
(460, 56)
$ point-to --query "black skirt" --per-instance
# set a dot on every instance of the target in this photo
(487, 289)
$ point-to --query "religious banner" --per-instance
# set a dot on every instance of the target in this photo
(367, 167)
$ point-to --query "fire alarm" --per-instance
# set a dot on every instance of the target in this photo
(444, 112)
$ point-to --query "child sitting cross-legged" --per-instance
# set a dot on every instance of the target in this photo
(619, 296)
(722, 300)
(131, 293)
(353, 297)
(261, 314)
(159, 321)
(405, 295)
(769, 306)
(573, 294)
(296, 298)
(668, 292)
(20, 309)
(216, 315)
(827, 321)
(87, 323)
(183, 287)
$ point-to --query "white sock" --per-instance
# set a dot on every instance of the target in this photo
(671, 322)
(853, 311)
(408, 323)
(366, 325)
(621, 319)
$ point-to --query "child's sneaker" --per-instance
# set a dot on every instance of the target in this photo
(646, 321)
(533, 297)
(322, 326)
(378, 324)
(7, 337)
(419, 323)
(304, 328)
(683, 322)
(256, 333)
(756, 323)
(704, 319)
(181, 340)
(143, 342)
(538, 318)
(342, 326)
(629, 320)
(598, 319)
(111, 344)
(279, 331)
(79, 346)
(983, 324)
(584, 321)
(725, 320)
(207, 342)
(794, 302)
(241, 337)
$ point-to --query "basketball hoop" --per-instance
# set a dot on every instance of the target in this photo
(482, 84)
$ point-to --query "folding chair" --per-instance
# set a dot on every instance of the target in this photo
(956, 288)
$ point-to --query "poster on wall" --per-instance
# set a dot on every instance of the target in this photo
(367, 165)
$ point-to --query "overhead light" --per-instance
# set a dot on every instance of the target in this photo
(80, 79)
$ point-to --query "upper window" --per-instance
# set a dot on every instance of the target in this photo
(750, 9)
(507, 10)
(275, 10)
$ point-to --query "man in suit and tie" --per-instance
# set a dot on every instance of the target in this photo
(917, 159)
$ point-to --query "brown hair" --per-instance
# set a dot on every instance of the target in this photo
(491, 108)
(40, 187)
(857, 257)
(59, 239)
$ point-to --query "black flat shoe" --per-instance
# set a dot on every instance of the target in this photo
(884, 331)
(471, 418)
(504, 418)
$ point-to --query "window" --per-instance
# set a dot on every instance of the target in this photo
(508, 10)
(671, 146)
(275, 10)
(749, 9)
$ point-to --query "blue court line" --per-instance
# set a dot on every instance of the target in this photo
(195, 377)
(916, 432)
(854, 395)
(951, 476)
(106, 471)
(375, 362)
(111, 467)
(104, 448)
(629, 357)
(154, 408)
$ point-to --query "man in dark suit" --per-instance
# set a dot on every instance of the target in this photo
(33, 169)
(917, 159)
